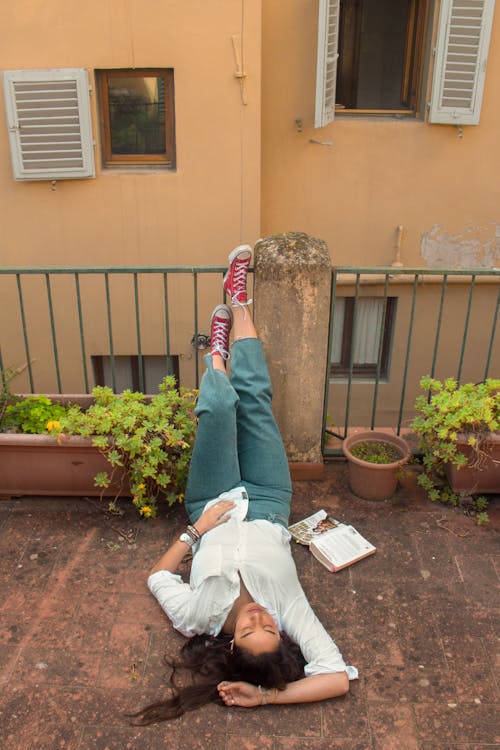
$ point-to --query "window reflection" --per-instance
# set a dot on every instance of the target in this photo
(137, 114)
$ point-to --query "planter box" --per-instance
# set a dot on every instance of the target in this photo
(471, 480)
(38, 465)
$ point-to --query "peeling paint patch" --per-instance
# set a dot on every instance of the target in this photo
(475, 247)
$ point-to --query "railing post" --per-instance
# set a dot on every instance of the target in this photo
(292, 302)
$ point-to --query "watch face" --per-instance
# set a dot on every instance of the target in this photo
(186, 538)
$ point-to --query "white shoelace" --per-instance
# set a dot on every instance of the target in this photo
(219, 338)
(240, 284)
(236, 303)
(240, 275)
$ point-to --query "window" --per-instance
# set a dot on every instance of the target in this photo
(373, 57)
(380, 54)
(127, 371)
(137, 117)
(362, 331)
(48, 119)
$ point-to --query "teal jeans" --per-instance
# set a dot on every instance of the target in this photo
(238, 441)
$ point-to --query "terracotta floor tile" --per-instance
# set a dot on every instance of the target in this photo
(125, 738)
(239, 742)
(55, 667)
(301, 743)
(346, 718)
(276, 720)
(53, 737)
(410, 684)
(392, 727)
(457, 723)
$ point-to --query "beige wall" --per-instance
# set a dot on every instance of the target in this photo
(193, 215)
(380, 172)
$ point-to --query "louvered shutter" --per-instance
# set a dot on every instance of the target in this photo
(326, 65)
(48, 118)
(464, 30)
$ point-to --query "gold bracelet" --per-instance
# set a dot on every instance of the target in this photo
(265, 692)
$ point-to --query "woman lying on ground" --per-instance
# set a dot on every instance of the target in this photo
(254, 638)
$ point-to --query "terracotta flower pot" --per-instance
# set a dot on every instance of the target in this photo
(374, 481)
(476, 479)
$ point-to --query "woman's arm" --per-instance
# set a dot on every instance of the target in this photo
(209, 519)
(172, 558)
(316, 688)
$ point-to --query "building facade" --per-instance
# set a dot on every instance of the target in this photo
(165, 133)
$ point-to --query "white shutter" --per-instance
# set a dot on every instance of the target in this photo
(463, 38)
(326, 65)
(48, 118)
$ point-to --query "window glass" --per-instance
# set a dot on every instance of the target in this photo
(137, 114)
(381, 54)
(368, 330)
(124, 371)
(362, 331)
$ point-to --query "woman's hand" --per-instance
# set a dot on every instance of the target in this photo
(214, 516)
(240, 694)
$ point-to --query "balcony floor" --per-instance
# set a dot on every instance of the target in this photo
(82, 640)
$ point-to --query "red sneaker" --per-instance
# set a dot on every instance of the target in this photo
(220, 328)
(235, 280)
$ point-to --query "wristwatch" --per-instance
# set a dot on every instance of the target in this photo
(184, 537)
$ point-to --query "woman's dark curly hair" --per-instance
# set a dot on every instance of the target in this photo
(210, 660)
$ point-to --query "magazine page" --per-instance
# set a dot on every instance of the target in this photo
(343, 545)
(312, 527)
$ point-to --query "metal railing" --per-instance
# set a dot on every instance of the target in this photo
(439, 303)
(36, 325)
(14, 323)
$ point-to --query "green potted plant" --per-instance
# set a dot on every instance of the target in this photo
(459, 428)
(374, 461)
(106, 445)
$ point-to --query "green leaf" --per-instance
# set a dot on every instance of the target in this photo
(102, 479)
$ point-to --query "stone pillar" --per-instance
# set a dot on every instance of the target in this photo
(292, 274)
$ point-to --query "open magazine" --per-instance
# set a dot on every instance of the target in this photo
(336, 545)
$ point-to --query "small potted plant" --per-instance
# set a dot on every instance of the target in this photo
(374, 459)
(459, 428)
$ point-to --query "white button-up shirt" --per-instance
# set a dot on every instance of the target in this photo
(259, 551)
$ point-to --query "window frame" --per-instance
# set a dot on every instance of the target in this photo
(340, 370)
(140, 160)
